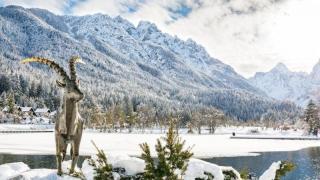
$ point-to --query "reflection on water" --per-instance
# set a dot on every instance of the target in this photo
(307, 163)
(35, 161)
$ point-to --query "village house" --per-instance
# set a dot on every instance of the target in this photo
(26, 112)
(27, 115)
(42, 112)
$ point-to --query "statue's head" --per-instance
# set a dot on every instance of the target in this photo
(71, 90)
(70, 84)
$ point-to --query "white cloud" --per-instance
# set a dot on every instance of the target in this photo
(110, 7)
(249, 35)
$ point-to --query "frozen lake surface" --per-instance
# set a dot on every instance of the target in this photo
(307, 163)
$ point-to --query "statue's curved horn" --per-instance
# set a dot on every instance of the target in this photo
(72, 66)
(48, 62)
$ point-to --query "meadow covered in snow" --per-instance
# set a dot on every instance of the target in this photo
(205, 145)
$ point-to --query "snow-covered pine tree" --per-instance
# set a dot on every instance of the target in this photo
(312, 118)
(103, 170)
(172, 157)
(5, 84)
(2, 101)
(11, 102)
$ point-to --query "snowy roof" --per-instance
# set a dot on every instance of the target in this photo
(53, 113)
(42, 110)
(25, 109)
(5, 109)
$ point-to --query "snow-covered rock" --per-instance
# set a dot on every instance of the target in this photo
(12, 169)
(270, 173)
(197, 168)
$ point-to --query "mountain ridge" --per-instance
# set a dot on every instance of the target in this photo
(282, 84)
(124, 60)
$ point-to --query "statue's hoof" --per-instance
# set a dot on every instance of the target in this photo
(71, 172)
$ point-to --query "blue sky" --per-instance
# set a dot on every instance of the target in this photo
(250, 35)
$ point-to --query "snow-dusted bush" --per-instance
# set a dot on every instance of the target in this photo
(172, 158)
(277, 170)
(102, 169)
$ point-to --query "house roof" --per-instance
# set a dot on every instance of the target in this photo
(25, 109)
(5, 109)
(53, 113)
(42, 110)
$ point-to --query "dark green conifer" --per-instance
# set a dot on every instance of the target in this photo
(172, 157)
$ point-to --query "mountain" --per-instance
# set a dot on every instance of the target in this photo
(283, 84)
(126, 60)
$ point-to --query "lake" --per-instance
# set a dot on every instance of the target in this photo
(36, 161)
(307, 162)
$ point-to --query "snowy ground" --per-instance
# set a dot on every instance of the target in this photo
(8, 127)
(122, 143)
(196, 169)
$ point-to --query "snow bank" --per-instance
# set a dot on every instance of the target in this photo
(132, 165)
(12, 169)
(270, 173)
(44, 174)
(197, 168)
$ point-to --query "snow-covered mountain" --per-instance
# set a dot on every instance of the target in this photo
(125, 60)
(283, 84)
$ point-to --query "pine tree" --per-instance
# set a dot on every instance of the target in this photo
(312, 118)
(32, 90)
(38, 91)
(103, 170)
(2, 102)
(119, 116)
(131, 120)
(171, 157)
(150, 169)
(10, 102)
(23, 84)
(5, 84)
(285, 167)
(109, 119)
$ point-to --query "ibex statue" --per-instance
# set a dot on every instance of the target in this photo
(68, 127)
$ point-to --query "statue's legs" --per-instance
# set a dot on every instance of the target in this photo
(61, 147)
(74, 154)
(75, 145)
